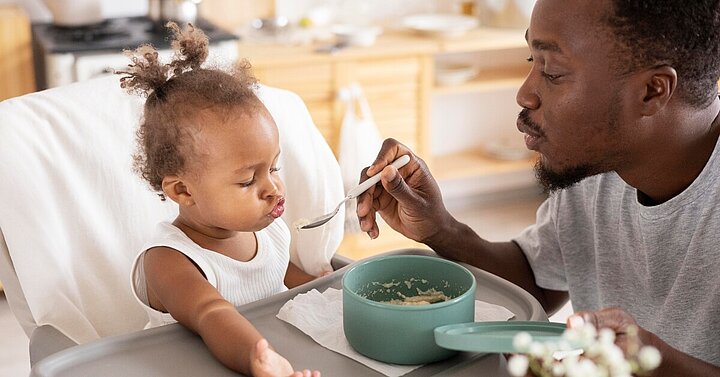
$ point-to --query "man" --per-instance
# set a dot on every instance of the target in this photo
(621, 104)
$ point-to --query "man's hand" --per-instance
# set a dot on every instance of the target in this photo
(409, 199)
(674, 362)
(617, 320)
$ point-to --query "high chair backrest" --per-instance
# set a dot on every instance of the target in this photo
(73, 214)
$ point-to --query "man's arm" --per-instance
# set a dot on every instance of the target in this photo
(677, 363)
(505, 259)
(410, 201)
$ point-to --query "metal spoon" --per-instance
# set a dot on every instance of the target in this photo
(352, 194)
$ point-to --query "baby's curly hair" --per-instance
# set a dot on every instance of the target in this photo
(176, 92)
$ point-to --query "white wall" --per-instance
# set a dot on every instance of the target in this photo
(470, 120)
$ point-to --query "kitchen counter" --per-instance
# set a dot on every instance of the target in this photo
(390, 43)
(264, 53)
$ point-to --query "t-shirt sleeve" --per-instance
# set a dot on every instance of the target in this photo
(539, 243)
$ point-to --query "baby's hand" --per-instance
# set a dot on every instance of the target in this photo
(265, 362)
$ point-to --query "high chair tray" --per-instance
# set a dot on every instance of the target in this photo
(174, 351)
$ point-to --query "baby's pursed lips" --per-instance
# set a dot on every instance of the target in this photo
(278, 209)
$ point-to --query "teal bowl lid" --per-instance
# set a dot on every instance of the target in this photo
(494, 336)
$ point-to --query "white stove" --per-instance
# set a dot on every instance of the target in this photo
(67, 54)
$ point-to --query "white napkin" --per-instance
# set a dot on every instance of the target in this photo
(320, 316)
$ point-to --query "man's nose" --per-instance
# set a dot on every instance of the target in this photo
(527, 96)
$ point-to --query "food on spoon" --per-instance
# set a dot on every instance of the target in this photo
(299, 223)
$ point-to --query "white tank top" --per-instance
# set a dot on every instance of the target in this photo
(236, 281)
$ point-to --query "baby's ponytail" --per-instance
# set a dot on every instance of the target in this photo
(177, 93)
(191, 48)
(146, 74)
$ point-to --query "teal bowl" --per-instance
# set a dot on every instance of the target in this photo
(403, 334)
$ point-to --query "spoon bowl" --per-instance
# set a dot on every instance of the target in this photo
(352, 194)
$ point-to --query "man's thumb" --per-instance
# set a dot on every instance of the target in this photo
(395, 185)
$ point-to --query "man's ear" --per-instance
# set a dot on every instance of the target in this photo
(175, 189)
(660, 84)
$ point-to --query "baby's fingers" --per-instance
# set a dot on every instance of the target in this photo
(306, 373)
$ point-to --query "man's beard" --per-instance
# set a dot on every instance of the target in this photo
(553, 181)
(558, 180)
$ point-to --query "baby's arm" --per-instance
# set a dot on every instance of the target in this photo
(177, 286)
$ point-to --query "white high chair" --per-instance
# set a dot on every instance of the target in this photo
(73, 213)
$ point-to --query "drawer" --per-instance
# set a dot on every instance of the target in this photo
(310, 82)
(378, 71)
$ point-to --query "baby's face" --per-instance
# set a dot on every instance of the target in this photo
(235, 183)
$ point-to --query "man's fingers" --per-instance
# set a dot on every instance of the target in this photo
(364, 174)
(364, 204)
(395, 185)
(366, 214)
(390, 150)
(374, 231)
(369, 225)
(368, 221)
(612, 318)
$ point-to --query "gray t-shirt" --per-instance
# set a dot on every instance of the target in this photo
(659, 263)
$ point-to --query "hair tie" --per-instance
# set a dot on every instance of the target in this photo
(160, 91)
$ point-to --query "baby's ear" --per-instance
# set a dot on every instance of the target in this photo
(175, 189)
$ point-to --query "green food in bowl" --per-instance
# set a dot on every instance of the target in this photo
(403, 334)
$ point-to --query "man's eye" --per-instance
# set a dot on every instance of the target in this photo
(247, 183)
(551, 77)
(275, 169)
(530, 59)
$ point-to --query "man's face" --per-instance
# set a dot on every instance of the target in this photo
(573, 104)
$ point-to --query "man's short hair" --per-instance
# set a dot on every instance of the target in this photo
(682, 34)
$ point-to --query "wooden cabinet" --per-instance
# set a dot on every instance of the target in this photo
(16, 65)
(396, 83)
(397, 76)
(500, 56)
(313, 82)
(395, 89)
(16, 62)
